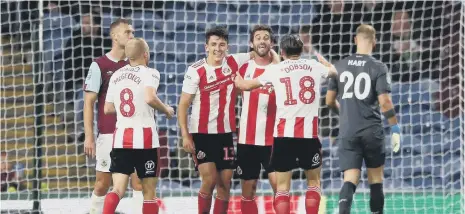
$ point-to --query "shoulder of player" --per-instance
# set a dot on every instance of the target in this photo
(198, 64)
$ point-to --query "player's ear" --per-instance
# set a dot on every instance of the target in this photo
(251, 45)
(206, 48)
(355, 40)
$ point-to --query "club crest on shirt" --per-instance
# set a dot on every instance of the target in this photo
(201, 155)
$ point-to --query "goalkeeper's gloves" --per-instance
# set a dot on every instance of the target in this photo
(395, 138)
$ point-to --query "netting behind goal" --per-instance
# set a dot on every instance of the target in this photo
(47, 49)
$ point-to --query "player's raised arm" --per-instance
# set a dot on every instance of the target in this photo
(332, 72)
(91, 90)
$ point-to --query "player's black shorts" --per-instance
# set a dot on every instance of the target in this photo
(290, 153)
(250, 159)
(143, 160)
(214, 148)
(367, 145)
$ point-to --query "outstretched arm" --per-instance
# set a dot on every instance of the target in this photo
(246, 85)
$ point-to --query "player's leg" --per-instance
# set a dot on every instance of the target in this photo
(137, 196)
(310, 160)
(225, 164)
(103, 175)
(375, 155)
(266, 163)
(203, 159)
(283, 161)
(146, 168)
(350, 162)
(375, 179)
(122, 166)
(248, 169)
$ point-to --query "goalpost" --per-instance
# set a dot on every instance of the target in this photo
(422, 43)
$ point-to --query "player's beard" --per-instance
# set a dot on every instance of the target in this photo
(262, 52)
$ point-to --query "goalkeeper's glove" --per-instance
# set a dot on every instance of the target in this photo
(395, 138)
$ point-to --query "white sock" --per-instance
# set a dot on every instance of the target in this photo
(138, 201)
(96, 206)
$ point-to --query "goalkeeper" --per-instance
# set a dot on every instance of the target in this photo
(362, 84)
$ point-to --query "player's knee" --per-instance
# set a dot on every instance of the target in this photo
(136, 185)
(249, 187)
(375, 176)
(101, 186)
(352, 175)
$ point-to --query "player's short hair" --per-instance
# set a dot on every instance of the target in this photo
(262, 28)
(305, 29)
(135, 48)
(367, 32)
(118, 22)
(219, 31)
(291, 45)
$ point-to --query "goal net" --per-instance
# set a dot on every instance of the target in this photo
(46, 50)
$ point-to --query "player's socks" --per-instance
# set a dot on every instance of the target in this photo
(204, 203)
(221, 206)
(111, 202)
(312, 199)
(282, 204)
(248, 205)
(150, 207)
(138, 201)
(376, 198)
(345, 197)
(96, 206)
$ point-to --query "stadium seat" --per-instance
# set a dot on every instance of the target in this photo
(57, 21)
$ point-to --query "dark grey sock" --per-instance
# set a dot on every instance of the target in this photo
(345, 197)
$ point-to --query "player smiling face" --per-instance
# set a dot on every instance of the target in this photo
(216, 48)
(261, 40)
(216, 44)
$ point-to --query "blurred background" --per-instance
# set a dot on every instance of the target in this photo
(44, 61)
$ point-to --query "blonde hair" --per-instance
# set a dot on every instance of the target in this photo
(367, 32)
(135, 48)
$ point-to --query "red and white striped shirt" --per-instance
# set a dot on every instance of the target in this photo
(215, 97)
(135, 119)
(258, 109)
(297, 87)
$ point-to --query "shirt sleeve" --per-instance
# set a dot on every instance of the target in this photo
(110, 91)
(383, 80)
(152, 79)
(191, 81)
(242, 70)
(241, 58)
(332, 84)
(93, 79)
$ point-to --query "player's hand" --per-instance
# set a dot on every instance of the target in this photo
(395, 138)
(169, 111)
(237, 81)
(188, 144)
(89, 147)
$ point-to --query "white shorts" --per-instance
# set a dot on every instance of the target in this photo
(103, 147)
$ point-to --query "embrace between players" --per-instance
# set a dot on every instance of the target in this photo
(278, 125)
